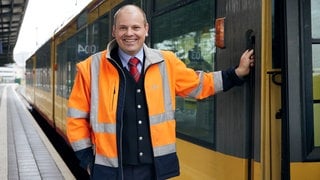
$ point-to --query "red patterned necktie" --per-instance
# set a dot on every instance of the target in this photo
(133, 63)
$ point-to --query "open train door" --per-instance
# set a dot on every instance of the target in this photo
(301, 90)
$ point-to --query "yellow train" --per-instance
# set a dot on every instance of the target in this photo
(267, 129)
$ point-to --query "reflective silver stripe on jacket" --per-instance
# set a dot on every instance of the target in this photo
(168, 115)
(166, 89)
(198, 90)
(218, 84)
(164, 150)
(159, 118)
(110, 162)
(217, 80)
(76, 113)
(97, 127)
(82, 144)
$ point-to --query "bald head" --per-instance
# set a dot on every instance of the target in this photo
(130, 29)
(129, 9)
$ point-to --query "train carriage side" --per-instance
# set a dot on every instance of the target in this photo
(62, 82)
(30, 79)
(43, 87)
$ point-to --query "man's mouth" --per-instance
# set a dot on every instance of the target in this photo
(129, 40)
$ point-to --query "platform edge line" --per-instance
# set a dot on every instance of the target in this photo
(4, 136)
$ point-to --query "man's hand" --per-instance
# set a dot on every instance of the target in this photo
(246, 62)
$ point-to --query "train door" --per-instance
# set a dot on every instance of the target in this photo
(242, 116)
(269, 160)
(301, 91)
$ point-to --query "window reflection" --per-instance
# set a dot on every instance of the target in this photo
(161, 4)
(78, 47)
(315, 15)
(43, 69)
(316, 93)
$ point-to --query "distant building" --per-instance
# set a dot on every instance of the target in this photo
(12, 74)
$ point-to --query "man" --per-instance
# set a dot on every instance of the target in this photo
(121, 110)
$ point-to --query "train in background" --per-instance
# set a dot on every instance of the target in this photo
(269, 128)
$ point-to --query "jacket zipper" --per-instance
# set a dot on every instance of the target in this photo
(121, 118)
(114, 93)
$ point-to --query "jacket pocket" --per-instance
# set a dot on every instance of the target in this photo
(167, 166)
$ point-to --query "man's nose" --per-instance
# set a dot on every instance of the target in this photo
(129, 31)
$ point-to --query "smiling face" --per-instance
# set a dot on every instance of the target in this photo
(130, 29)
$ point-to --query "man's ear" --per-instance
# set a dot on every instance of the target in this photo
(113, 29)
(147, 28)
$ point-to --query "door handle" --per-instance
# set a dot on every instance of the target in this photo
(250, 40)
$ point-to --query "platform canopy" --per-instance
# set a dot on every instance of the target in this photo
(12, 13)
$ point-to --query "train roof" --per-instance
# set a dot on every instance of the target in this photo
(12, 14)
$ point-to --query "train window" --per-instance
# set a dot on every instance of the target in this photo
(70, 52)
(315, 15)
(160, 4)
(316, 93)
(190, 34)
(81, 45)
(29, 71)
(100, 33)
(64, 56)
(82, 19)
(277, 33)
(43, 67)
(312, 85)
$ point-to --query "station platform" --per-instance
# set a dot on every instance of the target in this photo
(25, 151)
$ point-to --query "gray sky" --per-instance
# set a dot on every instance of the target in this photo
(41, 20)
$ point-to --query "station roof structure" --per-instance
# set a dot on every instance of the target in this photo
(11, 17)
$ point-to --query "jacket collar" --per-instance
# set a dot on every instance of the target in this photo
(152, 56)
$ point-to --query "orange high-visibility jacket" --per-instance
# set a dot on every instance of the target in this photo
(94, 109)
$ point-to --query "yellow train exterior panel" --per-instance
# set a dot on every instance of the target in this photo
(305, 171)
(197, 163)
